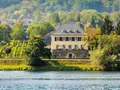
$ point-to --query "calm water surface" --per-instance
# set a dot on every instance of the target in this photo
(18, 80)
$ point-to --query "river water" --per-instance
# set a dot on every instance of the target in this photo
(20, 80)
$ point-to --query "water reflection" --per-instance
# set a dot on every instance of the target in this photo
(59, 81)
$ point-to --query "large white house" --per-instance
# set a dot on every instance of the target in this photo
(67, 42)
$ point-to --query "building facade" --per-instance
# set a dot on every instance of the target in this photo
(67, 41)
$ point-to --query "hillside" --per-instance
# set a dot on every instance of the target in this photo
(62, 5)
(32, 8)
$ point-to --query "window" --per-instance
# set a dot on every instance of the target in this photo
(73, 39)
(55, 38)
(57, 46)
(61, 39)
(67, 39)
(71, 31)
(70, 46)
(77, 31)
(64, 31)
(79, 38)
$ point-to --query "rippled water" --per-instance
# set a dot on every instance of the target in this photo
(59, 80)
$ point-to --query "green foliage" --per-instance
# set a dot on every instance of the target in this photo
(93, 23)
(18, 31)
(107, 26)
(91, 16)
(5, 31)
(40, 29)
(13, 49)
(54, 18)
(106, 53)
(93, 42)
(69, 17)
(34, 51)
(19, 9)
(115, 16)
(55, 11)
(118, 28)
(47, 53)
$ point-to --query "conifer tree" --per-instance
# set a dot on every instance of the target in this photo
(118, 28)
(93, 23)
(107, 26)
(78, 18)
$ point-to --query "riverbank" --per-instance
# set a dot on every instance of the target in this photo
(51, 65)
(45, 68)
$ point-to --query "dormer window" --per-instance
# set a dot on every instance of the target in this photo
(64, 31)
(70, 31)
(77, 31)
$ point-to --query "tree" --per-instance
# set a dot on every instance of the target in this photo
(115, 16)
(107, 26)
(18, 31)
(78, 18)
(93, 23)
(71, 17)
(118, 28)
(40, 29)
(5, 31)
(35, 51)
(54, 17)
(106, 54)
(93, 35)
(47, 53)
(91, 16)
(81, 25)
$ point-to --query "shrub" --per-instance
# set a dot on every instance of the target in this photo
(8, 50)
(34, 51)
(107, 53)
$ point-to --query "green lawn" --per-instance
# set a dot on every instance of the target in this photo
(52, 65)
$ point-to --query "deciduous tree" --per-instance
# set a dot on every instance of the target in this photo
(35, 51)
(18, 31)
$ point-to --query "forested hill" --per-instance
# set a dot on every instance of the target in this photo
(31, 8)
(65, 5)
